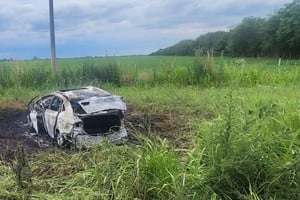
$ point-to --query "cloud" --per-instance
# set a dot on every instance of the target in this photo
(123, 27)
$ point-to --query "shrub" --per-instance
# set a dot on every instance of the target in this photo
(203, 70)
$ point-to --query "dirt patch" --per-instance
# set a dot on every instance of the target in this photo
(171, 126)
(15, 132)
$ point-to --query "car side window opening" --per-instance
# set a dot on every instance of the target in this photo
(76, 107)
(56, 104)
(46, 103)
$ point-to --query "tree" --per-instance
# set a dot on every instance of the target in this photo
(277, 36)
(270, 46)
(247, 38)
(182, 48)
(288, 33)
(218, 41)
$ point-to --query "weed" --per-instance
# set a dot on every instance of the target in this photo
(203, 70)
(22, 172)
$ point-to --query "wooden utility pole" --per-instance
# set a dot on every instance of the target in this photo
(52, 36)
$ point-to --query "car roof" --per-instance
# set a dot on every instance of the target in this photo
(83, 93)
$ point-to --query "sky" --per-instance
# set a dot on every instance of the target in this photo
(117, 27)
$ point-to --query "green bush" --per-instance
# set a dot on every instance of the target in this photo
(206, 73)
(203, 70)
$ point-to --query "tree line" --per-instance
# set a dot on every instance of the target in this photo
(275, 36)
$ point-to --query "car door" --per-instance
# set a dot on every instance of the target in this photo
(51, 115)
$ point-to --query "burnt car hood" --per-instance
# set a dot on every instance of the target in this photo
(98, 104)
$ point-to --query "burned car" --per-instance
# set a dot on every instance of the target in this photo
(83, 116)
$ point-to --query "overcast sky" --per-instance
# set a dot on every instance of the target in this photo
(116, 27)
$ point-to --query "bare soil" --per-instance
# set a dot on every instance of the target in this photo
(16, 132)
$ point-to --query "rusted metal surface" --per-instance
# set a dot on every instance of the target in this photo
(84, 116)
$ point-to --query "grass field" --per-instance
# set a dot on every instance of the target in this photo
(233, 130)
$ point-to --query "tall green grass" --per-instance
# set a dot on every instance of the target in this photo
(36, 74)
(147, 70)
(248, 149)
(252, 151)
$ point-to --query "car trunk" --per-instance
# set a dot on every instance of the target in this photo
(103, 123)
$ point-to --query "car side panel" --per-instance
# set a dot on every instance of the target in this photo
(33, 120)
(65, 122)
(50, 121)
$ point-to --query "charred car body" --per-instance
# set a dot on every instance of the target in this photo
(83, 116)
